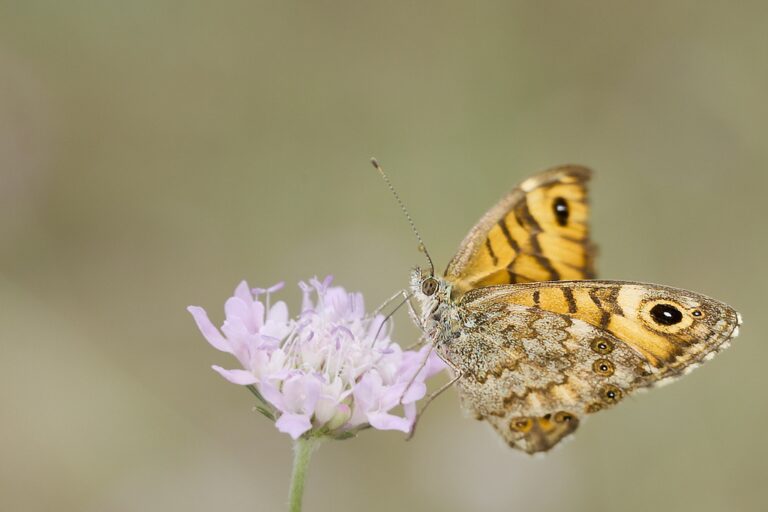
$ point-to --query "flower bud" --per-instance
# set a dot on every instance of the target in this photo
(343, 413)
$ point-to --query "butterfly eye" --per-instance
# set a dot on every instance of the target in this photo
(429, 286)
(563, 417)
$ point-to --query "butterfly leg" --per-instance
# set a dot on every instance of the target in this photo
(400, 293)
(416, 373)
(418, 344)
(428, 401)
(417, 321)
(406, 299)
(412, 312)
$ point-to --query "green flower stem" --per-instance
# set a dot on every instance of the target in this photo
(302, 452)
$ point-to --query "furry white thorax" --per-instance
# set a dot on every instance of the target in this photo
(438, 315)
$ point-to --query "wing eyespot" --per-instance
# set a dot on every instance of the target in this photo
(536, 232)
(666, 314)
(561, 211)
(603, 367)
(611, 394)
(602, 346)
(521, 424)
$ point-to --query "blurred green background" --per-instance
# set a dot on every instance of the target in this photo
(153, 154)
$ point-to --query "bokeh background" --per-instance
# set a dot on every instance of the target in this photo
(155, 153)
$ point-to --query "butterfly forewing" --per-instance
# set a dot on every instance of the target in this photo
(537, 232)
(670, 328)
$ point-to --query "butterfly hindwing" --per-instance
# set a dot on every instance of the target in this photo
(523, 368)
(536, 371)
(538, 434)
(537, 232)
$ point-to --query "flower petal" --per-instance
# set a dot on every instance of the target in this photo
(293, 424)
(210, 332)
(384, 421)
(410, 413)
(241, 342)
(241, 377)
(243, 292)
(325, 409)
(434, 365)
(272, 395)
(235, 307)
(415, 392)
(301, 393)
(278, 313)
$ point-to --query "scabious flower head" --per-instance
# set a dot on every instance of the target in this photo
(331, 370)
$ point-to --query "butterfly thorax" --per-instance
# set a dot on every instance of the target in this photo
(438, 313)
(449, 326)
(439, 316)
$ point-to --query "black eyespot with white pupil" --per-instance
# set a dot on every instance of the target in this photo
(560, 208)
(611, 394)
(603, 367)
(602, 346)
(666, 314)
(429, 286)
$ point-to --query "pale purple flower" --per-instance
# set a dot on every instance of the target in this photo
(333, 369)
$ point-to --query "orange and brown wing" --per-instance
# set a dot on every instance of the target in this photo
(672, 329)
(537, 357)
(537, 232)
(538, 433)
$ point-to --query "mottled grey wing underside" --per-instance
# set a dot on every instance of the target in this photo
(532, 373)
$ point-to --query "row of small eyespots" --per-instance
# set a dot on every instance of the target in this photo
(610, 394)
(525, 424)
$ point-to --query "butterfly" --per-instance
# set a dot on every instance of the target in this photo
(535, 343)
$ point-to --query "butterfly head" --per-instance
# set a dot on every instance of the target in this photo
(430, 291)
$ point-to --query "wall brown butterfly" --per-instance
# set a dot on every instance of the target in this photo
(534, 342)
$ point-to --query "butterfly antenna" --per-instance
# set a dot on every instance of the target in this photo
(422, 247)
